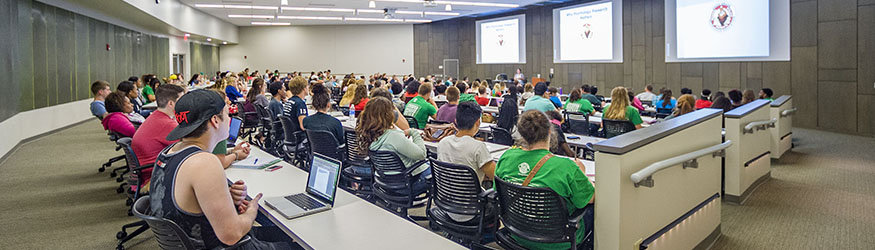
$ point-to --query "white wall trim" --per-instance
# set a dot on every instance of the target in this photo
(31, 123)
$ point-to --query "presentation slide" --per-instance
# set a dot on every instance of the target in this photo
(586, 32)
(722, 29)
(501, 40)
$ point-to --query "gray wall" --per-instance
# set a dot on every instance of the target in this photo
(204, 59)
(830, 75)
(50, 56)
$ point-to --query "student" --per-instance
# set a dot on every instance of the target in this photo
(528, 92)
(747, 97)
(231, 89)
(576, 103)
(116, 119)
(635, 102)
(666, 101)
(150, 139)
(400, 121)
(410, 91)
(686, 91)
(498, 89)
(735, 97)
(647, 95)
(463, 149)
(553, 93)
(360, 99)
(295, 107)
(421, 107)
(621, 109)
(463, 95)
(278, 91)
(721, 102)
(348, 96)
(397, 88)
(440, 93)
(190, 186)
(256, 93)
(519, 77)
(686, 105)
(703, 101)
(321, 120)
(558, 144)
(766, 93)
(539, 101)
(556, 173)
(376, 131)
(195, 80)
(482, 96)
(149, 89)
(128, 90)
(509, 111)
(100, 89)
(447, 112)
(590, 96)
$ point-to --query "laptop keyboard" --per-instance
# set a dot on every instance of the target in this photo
(304, 201)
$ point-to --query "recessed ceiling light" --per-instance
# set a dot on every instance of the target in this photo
(319, 9)
(369, 11)
(251, 16)
(187, 35)
(230, 6)
(209, 39)
(448, 8)
(372, 4)
(270, 23)
(417, 20)
(372, 19)
(224, 42)
(284, 2)
(430, 13)
(329, 18)
(505, 5)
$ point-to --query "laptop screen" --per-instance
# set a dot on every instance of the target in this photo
(234, 131)
(324, 174)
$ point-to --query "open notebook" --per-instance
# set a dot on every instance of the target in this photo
(252, 162)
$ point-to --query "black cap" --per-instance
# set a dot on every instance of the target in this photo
(193, 109)
(540, 88)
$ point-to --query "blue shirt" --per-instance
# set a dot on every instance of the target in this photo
(673, 103)
(98, 108)
(539, 103)
(293, 108)
(556, 101)
(276, 109)
(232, 93)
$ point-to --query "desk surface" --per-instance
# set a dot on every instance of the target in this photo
(353, 223)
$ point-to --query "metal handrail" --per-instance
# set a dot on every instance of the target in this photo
(788, 112)
(759, 125)
(643, 177)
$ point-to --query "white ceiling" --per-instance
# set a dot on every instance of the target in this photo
(223, 13)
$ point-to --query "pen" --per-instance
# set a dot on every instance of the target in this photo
(256, 161)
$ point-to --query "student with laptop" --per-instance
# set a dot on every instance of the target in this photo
(321, 190)
(189, 185)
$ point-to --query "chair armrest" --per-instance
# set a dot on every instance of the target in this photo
(415, 165)
(577, 215)
(144, 167)
(488, 194)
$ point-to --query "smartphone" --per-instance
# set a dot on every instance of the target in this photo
(273, 168)
(573, 137)
(438, 133)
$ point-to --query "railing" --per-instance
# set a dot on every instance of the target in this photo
(759, 125)
(644, 176)
(788, 112)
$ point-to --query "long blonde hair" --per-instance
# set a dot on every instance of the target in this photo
(347, 97)
(619, 102)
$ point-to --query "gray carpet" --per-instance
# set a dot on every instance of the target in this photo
(821, 196)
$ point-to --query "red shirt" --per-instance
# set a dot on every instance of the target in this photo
(361, 105)
(483, 101)
(701, 104)
(150, 139)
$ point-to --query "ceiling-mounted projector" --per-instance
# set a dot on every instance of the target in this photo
(389, 13)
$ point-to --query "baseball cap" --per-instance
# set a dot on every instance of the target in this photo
(540, 88)
(193, 109)
(173, 77)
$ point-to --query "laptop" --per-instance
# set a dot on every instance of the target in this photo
(234, 131)
(321, 190)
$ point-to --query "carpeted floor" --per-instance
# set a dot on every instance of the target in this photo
(821, 196)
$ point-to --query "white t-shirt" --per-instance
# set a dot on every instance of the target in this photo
(646, 96)
(465, 151)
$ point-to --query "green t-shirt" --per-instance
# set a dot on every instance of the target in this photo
(631, 114)
(559, 174)
(221, 148)
(581, 105)
(146, 92)
(420, 109)
(466, 98)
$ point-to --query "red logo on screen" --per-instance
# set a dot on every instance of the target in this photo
(587, 32)
(500, 39)
(721, 16)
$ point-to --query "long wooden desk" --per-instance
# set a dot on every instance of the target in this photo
(353, 223)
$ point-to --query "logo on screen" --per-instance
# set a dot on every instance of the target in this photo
(500, 39)
(587, 32)
(721, 16)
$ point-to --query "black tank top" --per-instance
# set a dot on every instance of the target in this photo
(163, 203)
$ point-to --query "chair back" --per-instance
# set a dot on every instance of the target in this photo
(456, 188)
(412, 122)
(576, 125)
(250, 115)
(323, 142)
(501, 136)
(617, 127)
(533, 213)
(264, 118)
(169, 234)
(354, 154)
(133, 179)
(646, 103)
(288, 130)
(390, 183)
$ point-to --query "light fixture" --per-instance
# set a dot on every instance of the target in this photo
(251, 16)
(329, 18)
(229, 6)
(187, 35)
(369, 11)
(417, 20)
(270, 23)
(428, 13)
(319, 9)
(448, 8)
(209, 39)
(482, 4)
(224, 42)
(372, 4)
(284, 2)
(367, 19)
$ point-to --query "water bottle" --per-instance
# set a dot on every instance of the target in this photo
(351, 110)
